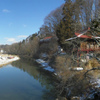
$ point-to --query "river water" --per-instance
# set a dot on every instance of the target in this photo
(25, 81)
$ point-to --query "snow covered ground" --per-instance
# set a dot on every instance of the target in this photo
(45, 65)
(5, 59)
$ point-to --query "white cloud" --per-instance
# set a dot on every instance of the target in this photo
(11, 40)
(5, 10)
(22, 36)
(15, 39)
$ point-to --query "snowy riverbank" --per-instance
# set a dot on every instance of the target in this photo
(5, 59)
(45, 65)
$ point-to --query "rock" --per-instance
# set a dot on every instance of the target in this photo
(75, 98)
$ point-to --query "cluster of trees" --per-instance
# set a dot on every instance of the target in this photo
(32, 47)
(26, 49)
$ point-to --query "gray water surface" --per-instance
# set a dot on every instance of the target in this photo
(24, 81)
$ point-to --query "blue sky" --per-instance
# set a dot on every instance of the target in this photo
(21, 18)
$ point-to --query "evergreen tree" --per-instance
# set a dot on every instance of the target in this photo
(95, 25)
(65, 28)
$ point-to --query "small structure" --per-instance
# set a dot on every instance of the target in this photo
(90, 42)
(1, 51)
(87, 44)
(46, 39)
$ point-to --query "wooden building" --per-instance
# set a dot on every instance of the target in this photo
(87, 44)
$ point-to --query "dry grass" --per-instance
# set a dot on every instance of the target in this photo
(93, 63)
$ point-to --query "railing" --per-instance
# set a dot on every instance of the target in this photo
(85, 46)
(90, 49)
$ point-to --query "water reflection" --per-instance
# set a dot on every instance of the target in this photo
(43, 77)
(25, 81)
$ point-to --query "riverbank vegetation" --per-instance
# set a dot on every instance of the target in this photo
(50, 44)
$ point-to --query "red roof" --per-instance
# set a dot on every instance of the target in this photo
(48, 37)
(82, 35)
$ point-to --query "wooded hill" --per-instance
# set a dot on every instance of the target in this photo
(63, 22)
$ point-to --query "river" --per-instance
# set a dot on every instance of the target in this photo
(23, 80)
